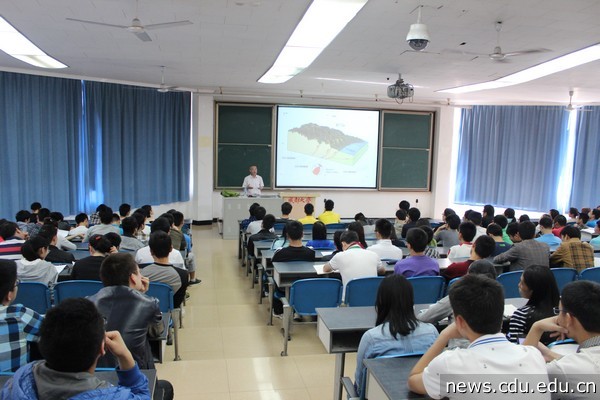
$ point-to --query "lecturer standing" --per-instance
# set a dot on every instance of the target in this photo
(253, 183)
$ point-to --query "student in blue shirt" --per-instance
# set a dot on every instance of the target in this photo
(546, 233)
(319, 238)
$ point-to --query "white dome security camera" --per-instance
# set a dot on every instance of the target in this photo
(417, 37)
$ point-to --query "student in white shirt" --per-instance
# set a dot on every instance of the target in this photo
(384, 247)
(466, 233)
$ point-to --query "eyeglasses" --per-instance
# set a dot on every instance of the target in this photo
(558, 310)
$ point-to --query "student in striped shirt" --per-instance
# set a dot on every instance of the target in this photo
(10, 247)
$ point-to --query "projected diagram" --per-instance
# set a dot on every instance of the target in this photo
(326, 143)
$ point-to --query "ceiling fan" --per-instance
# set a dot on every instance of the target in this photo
(570, 106)
(163, 88)
(136, 26)
(498, 55)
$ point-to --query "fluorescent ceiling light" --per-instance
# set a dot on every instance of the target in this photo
(563, 63)
(321, 23)
(13, 43)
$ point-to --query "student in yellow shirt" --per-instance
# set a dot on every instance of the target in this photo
(329, 217)
(309, 209)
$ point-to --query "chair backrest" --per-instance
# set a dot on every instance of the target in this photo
(82, 288)
(564, 276)
(362, 292)
(34, 295)
(590, 274)
(308, 294)
(336, 226)
(427, 289)
(510, 282)
(164, 294)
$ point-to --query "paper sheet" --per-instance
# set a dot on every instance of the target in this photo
(509, 310)
(59, 268)
(319, 269)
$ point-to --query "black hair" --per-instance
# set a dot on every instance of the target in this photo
(422, 222)
(524, 218)
(573, 211)
(35, 206)
(494, 230)
(401, 214)
(48, 231)
(81, 217)
(526, 230)
(8, 229)
(489, 210)
(328, 205)
(57, 216)
(177, 218)
(384, 228)
(168, 217)
(142, 212)
(252, 208)
(268, 221)
(100, 244)
(337, 240)
(129, 226)
(475, 217)
(404, 205)
(294, 230)
(512, 229)
(43, 213)
(160, 244)
(115, 218)
(596, 213)
(260, 213)
(147, 208)
(8, 277)
(360, 231)
(309, 209)
(544, 292)
(453, 221)
(360, 217)
(71, 335)
(117, 268)
(571, 232)
(319, 231)
(124, 209)
(417, 238)
(349, 237)
(553, 213)
(414, 214)
(395, 305)
(480, 302)
(31, 247)
(501, 220)
(448, 212)
(484, 246)
(545, 222)
(23, 216)
(140, 218)
(509, 213)
(114, 239)
(286, 208)
(106, 216)
(468, 231)
(428, 231)
(581, 299)
(160, 224)
(584, 217)
(101, 208)
(483, 267)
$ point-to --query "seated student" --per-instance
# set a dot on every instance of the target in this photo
(572, 252)
(509, 213)
(462, 251)
(105, 226)
(95, 217)
(447, 234)
(578, 318)
(478, 306)
(524, 217)
(129, 241)
(503, 222)
(442, 309)
(88, 268)
(309, 219)
(295, 251)
(596, 241)
(59, 219)
(126, 309)
(559, 223)
(115, 241)
(430, 250)
(495, 232)
(413, 216)
(475, 218)
(512, 231)
(319, 238)
(573, 214)
(397, 330)
(368, 227)
(594, 217)
(32, 266)
(487, 215)
(482, 248)
(582, 220)
(384, 247)
(417, 263)
(286, 210)
(10, 247)
(18, 324)
(526, 252)
(42, 214)
(354, 262)
(162, 270)
(80, 230)
(255, 226)
(360, 231)
(35, 207)
(252, 209)
(124, 211)
(186, 245)
(266, 233)
(328, 216)
(404, 205)
(538, 286)
(23, 219)
(143, 230)
(55, 254)
(144, 256)
(72, 339)
(399, 221)
(545, 225)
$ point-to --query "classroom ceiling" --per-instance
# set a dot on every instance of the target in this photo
(231, 43)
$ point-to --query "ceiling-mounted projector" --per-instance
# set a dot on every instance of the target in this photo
(400, 90)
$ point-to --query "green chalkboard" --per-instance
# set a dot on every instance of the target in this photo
(244, 135)
(406, 150)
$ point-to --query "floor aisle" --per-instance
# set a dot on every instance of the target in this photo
(228, 352)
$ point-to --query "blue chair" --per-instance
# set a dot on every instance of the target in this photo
(34, 295)
(564, 276)
(164, 294)
(305, 296)
(362, 292)
(68, 289)
(510, 282)
(427, 289)
(449, 285)
(590, 274)
(336, 226)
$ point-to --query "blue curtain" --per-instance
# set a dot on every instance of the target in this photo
(586, 186)
(511, 156)
(138, 144)
(39, 138)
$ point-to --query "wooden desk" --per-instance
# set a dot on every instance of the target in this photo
(387, 378)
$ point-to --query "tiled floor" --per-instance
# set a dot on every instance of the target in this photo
(227, 350)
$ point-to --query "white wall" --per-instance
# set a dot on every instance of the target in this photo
(206, 204)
